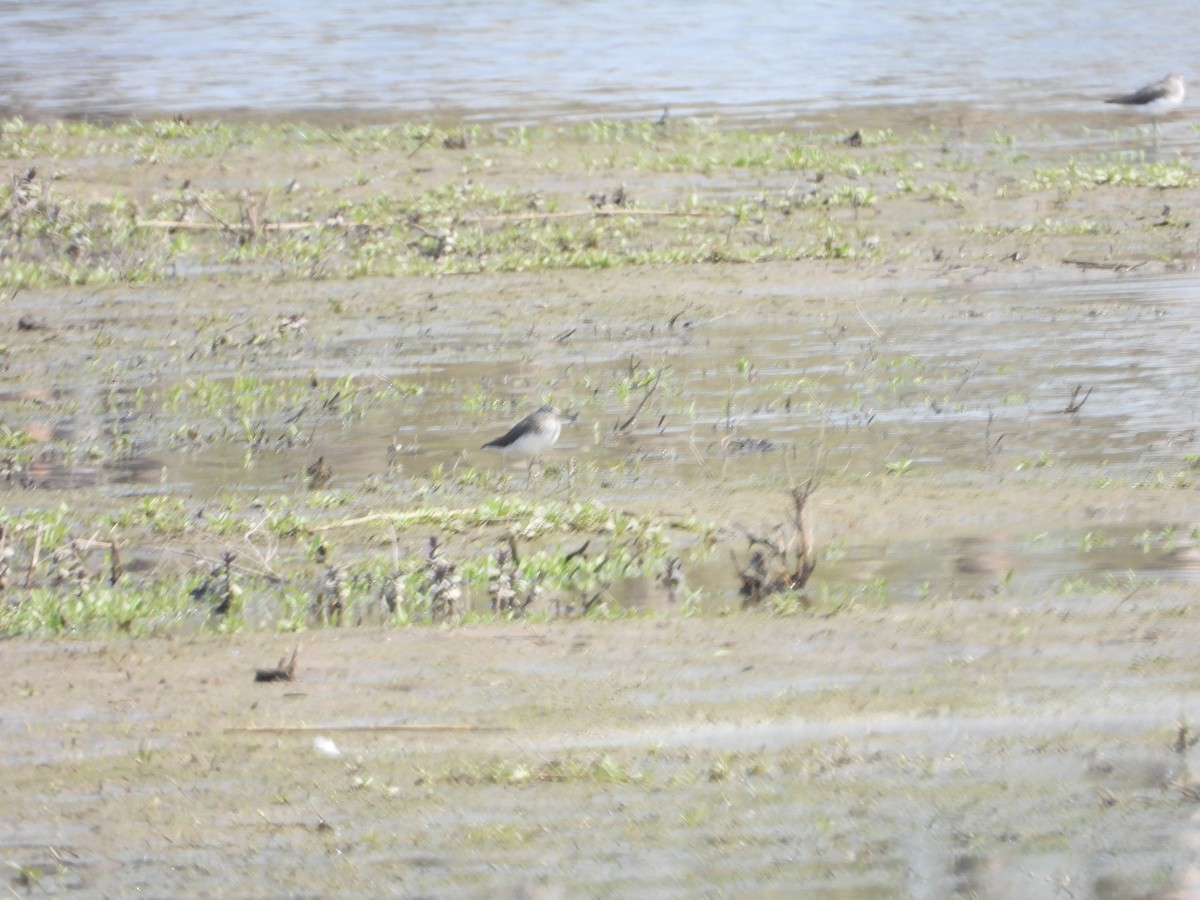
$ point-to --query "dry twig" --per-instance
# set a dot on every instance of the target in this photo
(1076, 402)
(310, 729)
(285, 671)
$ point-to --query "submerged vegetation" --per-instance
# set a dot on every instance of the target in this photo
(957, 503)
(130, 202)
(162, 566)
(256, 356)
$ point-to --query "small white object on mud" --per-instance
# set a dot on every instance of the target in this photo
(326, 747)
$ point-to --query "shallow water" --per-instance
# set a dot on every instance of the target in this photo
(516, 61)
(917, 385)
(938, 385)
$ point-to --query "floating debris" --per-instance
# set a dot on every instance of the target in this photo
(326, 747)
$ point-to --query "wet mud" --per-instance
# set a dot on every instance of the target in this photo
(987, 690)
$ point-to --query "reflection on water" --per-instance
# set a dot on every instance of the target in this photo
(46, 473)
(1078, 562)
(528, 59)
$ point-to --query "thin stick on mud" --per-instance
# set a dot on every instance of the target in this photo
(988, 444)
(114, 564)
(400, 518)
(310, 729)
(1111, 266)
(420, 145)
(213, 561)
(646, 396)
(700, 459)
(250, 227)
(863, 316)
(574, 214)
(966, 378)
(189, 225)
(1076, 402)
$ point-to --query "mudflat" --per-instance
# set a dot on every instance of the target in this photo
(248, 373)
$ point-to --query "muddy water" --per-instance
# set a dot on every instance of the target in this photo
(942, 389)
(996, 739)
(947, 381)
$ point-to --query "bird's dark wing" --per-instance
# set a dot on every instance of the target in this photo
(1148, 94)
(509, 436)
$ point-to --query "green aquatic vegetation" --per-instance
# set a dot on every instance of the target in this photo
(14, 439)
(821, 159)
(79, 586)
(483, 479)
(1046, 226)
(153, 140)
(610, 131)
(853, 196)
(371, 586)
(479, 401)
(638, 380)
(1122, 584)
(51, 237)
(363, 223)
(458, 218)
(92, 608)
(1043, 460)
(1075, 175)
(944, 192)
(284, 522)
(229, 398)
(47, 528)
(243, 406)
(1093, 540)
(836, 245)
(1163, 540)
(527, 519)
(162, 513)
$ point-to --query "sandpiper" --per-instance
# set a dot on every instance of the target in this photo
(1155, 100)
(533, 435)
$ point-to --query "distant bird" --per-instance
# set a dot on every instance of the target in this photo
(1155, 100)
(532, 436)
